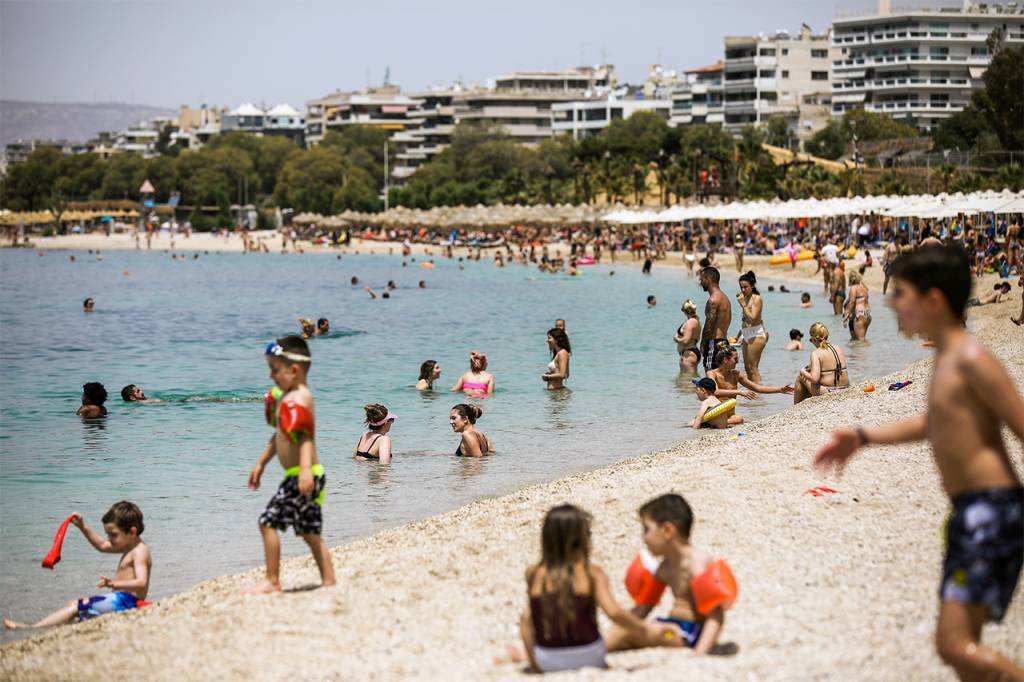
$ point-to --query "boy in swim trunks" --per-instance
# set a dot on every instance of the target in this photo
(971, 397)
(289, 409)
(666, 523)
(123, 525)
(706, 389)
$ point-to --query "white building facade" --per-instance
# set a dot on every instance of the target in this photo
(584, 118)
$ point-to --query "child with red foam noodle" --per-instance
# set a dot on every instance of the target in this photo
(703, 587)
(971, 397)
(299, 498)
(130, 584)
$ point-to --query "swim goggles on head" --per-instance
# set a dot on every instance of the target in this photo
(274, 348)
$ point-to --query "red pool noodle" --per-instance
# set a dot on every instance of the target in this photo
(51, 559)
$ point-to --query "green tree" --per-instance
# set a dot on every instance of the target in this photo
(1002, 100)
(890, 182)
(778, 133)
(122, 177)
(29, 184)
(309, 181)
(831, 141)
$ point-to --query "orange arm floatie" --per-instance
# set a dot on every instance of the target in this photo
(641, 584)
(715, 587)
(295, 420)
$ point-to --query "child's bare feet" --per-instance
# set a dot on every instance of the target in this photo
(263, 587)
(513, 654)
(12, 625)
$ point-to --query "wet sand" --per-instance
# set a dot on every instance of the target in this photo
(838, 587)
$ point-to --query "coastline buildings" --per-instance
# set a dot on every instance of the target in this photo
(699, 97)
(917, 65)
(583, 118)
(765, 76)
(383, 107)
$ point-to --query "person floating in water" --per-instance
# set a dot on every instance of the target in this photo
(298, 502)
(123, 526)
(93, 397)
(652, 301)
(971, 397)
(133, 394)
(308, 328)
(88, 305)
(323, 326)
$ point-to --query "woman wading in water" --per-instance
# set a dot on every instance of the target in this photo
(755, 336)
(561, 351)
(687, 338)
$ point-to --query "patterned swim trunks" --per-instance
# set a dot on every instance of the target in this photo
(90, 607)
(289, 507)
(984, 549)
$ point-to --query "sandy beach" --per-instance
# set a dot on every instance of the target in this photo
(838, 587)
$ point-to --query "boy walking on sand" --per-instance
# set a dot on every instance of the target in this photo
(298, 500)
(123, 525)
(971, 397)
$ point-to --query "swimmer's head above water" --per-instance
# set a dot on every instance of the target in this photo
(323, 326)
(88, 305)
(132, 394)
(463, 416)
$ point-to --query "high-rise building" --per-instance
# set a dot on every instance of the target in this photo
(765, 76)
(918, 65)
(699, 97)
(382, 107)
(583, 118)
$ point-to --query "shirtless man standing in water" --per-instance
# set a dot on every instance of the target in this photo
(717, 316)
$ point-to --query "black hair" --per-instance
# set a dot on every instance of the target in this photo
(805, 296)
(427, 371)
(670, 508)
(704, 263)
(354, 280)
(125, 515)
(795, 334)
(945, 268)
(650, 298)
(1005, 286)
(322, 321)
(711, 274)
(126, 393)
(470, 412)
(296, 345)
(750, 278)
(561, 340)
(708, 384)
(95, 392)
(86, 302)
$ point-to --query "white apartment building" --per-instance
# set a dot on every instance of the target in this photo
(764, 76)
(382, 107)
(430, 130)
(583, 118)
(917, 65)
(700, 97)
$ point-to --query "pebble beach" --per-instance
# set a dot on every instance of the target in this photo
(842, 586)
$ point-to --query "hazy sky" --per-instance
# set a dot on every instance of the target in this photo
(224, 52)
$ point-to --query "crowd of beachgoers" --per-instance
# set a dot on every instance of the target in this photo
(928, 271)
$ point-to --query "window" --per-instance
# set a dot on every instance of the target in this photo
(819, 54)
(766, 73)
(819, 75)
(785, 51)
(767, 52)
(785, 73)
(979, 51)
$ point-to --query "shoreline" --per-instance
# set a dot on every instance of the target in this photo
(441, 596)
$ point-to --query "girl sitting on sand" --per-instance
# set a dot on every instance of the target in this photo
(473, 444)
(477, 382)
(561, 351)
(827, 371)
(559, 627)
(430, 371)
(375, 444)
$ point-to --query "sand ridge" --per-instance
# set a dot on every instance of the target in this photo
(839, 587)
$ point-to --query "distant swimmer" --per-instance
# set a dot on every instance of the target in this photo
(687, 338)
(796, 338)
(477, 382)
(323, 326)
(88, 305)
(463, 421)
(561, 352)
(93, 397)
(805, 300)
(652, 301)
(308, 328)
(375, 444)
(423, 284)
(430, 371)
(133, 394)
(354, 281)
(391, 285)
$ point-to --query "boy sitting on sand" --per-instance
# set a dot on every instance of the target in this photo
(667, 521)
(706, 395)
(971, 397)
(297, 502)
(123, 525)
(93, 397)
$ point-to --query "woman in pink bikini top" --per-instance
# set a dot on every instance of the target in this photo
(477, 382)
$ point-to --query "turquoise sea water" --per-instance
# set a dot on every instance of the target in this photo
(192, 332)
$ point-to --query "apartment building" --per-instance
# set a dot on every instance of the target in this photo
(918, 65)
(383, 107)
(584, 118)
(431, 123)
(764, 76)
(699, 97)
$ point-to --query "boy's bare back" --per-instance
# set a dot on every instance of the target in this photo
(963, 427)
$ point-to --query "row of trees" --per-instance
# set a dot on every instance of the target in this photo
(628, 160)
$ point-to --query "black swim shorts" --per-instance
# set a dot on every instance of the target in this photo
(289, 507)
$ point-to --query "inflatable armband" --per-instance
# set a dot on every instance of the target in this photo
(641, 584)
(295, 420)
(728, 406)
(715, 587)
(270, 405)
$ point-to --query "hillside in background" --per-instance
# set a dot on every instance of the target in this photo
(75, 121)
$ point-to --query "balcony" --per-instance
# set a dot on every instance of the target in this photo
(739, 84)
(903, 84)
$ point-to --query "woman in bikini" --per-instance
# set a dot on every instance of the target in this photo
(375, 444)
(477, 382)
(827, 371)
(858, 310)
(728, 378)
(561, 351)
(463, 420)
(687, 338)
(755, 336)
